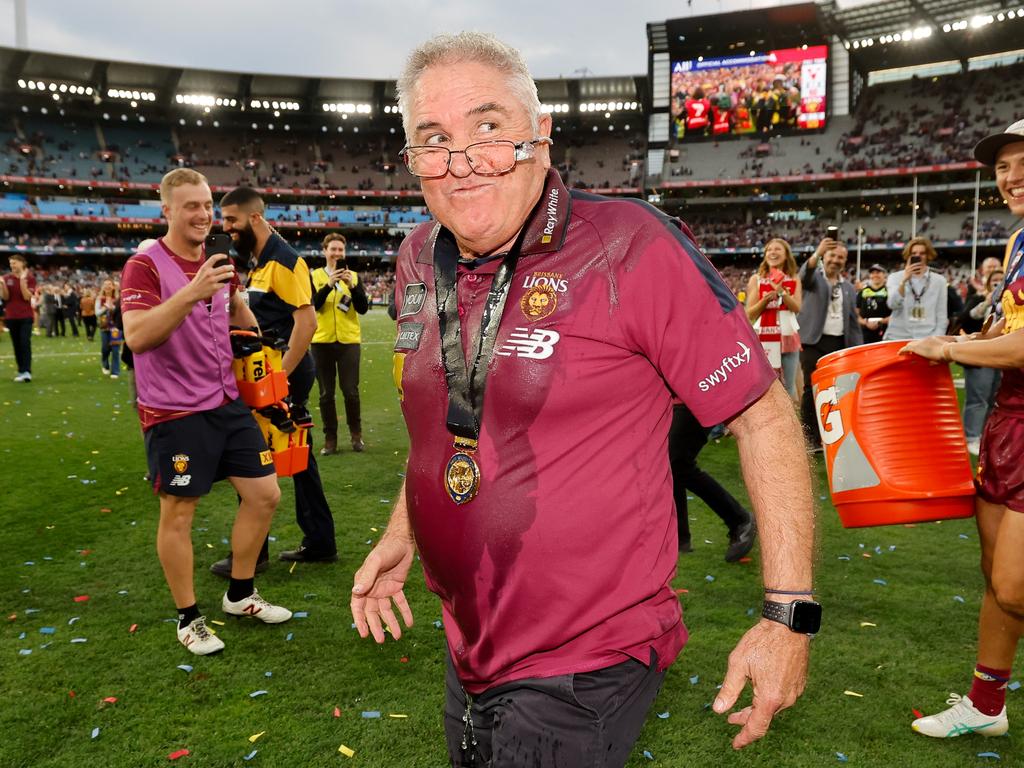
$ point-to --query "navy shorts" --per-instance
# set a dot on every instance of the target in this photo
(187, 456)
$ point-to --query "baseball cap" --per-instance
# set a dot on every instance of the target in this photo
(876, 268)
(989, 147)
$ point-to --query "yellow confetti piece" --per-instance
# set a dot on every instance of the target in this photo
(292, 569)
(55, 433)
(218, 623)
(209, 545)
(373, 529)
(853, 693)
(347, 751)
(867, 624)
(95, 452)
(398, 717)
(255, 736)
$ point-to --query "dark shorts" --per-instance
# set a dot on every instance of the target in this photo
(187, 456)
(1000, 478)
(585, 719)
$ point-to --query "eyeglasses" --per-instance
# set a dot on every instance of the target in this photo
(485, 158)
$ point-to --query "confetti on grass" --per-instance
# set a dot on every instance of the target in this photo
(1014, 685)
(337, 712)
(663, 715)
(251, 755)
(990, 755)
(255, 736)
(254, 694)
(648, 755)
(82, 599)
(853, 693)
(95, 733)
(370, 715)
(346, 751)
(179, 754)
(841, 757)
(185, 667)
(881, 582)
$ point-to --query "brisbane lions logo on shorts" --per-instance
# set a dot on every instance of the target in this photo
(180, 461)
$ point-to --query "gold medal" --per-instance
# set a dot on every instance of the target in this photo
(462, 475)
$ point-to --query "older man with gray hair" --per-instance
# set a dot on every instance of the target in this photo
(543, 514)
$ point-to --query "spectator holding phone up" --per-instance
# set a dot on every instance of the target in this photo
(917, 295)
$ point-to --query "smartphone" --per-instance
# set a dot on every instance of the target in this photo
(832, 231)
(218, 248)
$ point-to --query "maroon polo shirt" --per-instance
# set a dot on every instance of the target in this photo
(17, 307)
(563, 561)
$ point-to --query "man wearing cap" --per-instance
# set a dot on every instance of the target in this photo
(999, 503)
(872, 305)
(542, 336)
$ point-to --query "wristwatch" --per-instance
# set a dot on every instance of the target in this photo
(802, 616)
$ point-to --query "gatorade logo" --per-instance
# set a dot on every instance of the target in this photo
(830, 420)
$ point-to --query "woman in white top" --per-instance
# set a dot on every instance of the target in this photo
(774, 296)
(917, 296)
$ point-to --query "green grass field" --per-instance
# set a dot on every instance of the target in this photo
(78, 520)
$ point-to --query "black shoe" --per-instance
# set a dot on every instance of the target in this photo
(685, 547)
(741, 541)
(304, 555)
(223, 567)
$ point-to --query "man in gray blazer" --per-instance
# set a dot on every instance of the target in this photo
(827, 319)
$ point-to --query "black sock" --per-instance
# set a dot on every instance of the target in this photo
(187, 615)
(264, 551)
(240, 589)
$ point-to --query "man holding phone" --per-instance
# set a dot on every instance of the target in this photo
(177, 307)
(280, 296)
(917, 295)
(339, 299)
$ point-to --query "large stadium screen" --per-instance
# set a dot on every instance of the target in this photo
(763, 93)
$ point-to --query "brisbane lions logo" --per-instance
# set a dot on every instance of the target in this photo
(1013, 306)
(180, 461)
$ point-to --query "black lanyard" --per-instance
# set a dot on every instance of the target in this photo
(466, 385)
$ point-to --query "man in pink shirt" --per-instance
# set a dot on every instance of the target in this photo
(543, 513)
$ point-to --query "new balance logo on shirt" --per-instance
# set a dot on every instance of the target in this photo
(536, 345)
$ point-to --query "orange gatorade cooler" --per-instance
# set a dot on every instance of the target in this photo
(894, 444)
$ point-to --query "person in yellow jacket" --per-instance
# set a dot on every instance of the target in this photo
(339, 299)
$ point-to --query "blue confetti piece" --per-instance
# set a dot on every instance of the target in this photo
(841, 757)
(892, 547)
(878, 550)
(251, 755)
(47, 630)
(990, 755)
(1015, 685)
(254, 694)
(965, 536)
(45, 645)
(301, 615)
(371, 714)
(648, 755)
(272, 538)
(30, 611)
(268, 674)
(439, 624)
(30, 562)
(185, 667)
(709, 578)
(122, 592)
(95, 733)
(881, 582)
(843, 557)
(289, 636)
(750, 611)
(695, 679)
(664, 715)
(224, 541)
(25, 652)
(958, 598)
(23, 635)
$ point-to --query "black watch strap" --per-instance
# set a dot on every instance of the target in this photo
(802, 616)
(779, 612)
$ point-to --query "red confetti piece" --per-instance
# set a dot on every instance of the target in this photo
(337, 712)
(682, 591)
(71, 694)
(917, 713)
(746, 559)
(110, 700)
(176, 755)
(85, 552)
(105, 509)
(404, 659)
(132, 628)
(12, 617)
(82, 599)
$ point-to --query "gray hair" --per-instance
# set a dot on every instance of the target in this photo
(478, 47)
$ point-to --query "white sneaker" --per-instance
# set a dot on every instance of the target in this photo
(255, 606)
(26, 376)
(974, 446)
(113, 375)
(20, 377)
(961, 718)
(200, 640)
(106, 371)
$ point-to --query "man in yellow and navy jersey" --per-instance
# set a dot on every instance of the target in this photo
(339, 299)
(280, 296)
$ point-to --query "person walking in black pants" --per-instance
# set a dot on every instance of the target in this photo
(16, 289)
(686, 438)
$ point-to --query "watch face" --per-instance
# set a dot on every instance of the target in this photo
(806, 617)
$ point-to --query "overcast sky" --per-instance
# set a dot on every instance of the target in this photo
(349, 38)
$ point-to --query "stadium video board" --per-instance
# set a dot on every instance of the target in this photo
(772, 92)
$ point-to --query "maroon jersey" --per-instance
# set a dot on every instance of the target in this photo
(563, 561)
(697, 114)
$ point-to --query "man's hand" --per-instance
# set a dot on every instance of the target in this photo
(209, 279)
(774, 659)
(377, 583)
(929, 348)
(826, 244)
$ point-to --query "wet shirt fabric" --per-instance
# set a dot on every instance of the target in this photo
(563, 561)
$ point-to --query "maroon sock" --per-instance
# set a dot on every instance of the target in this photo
(988, 691)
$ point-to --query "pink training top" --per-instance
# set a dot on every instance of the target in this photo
(191, 370)
(563, 561)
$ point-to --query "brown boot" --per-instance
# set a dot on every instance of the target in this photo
(330, 445)
(357, 442)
